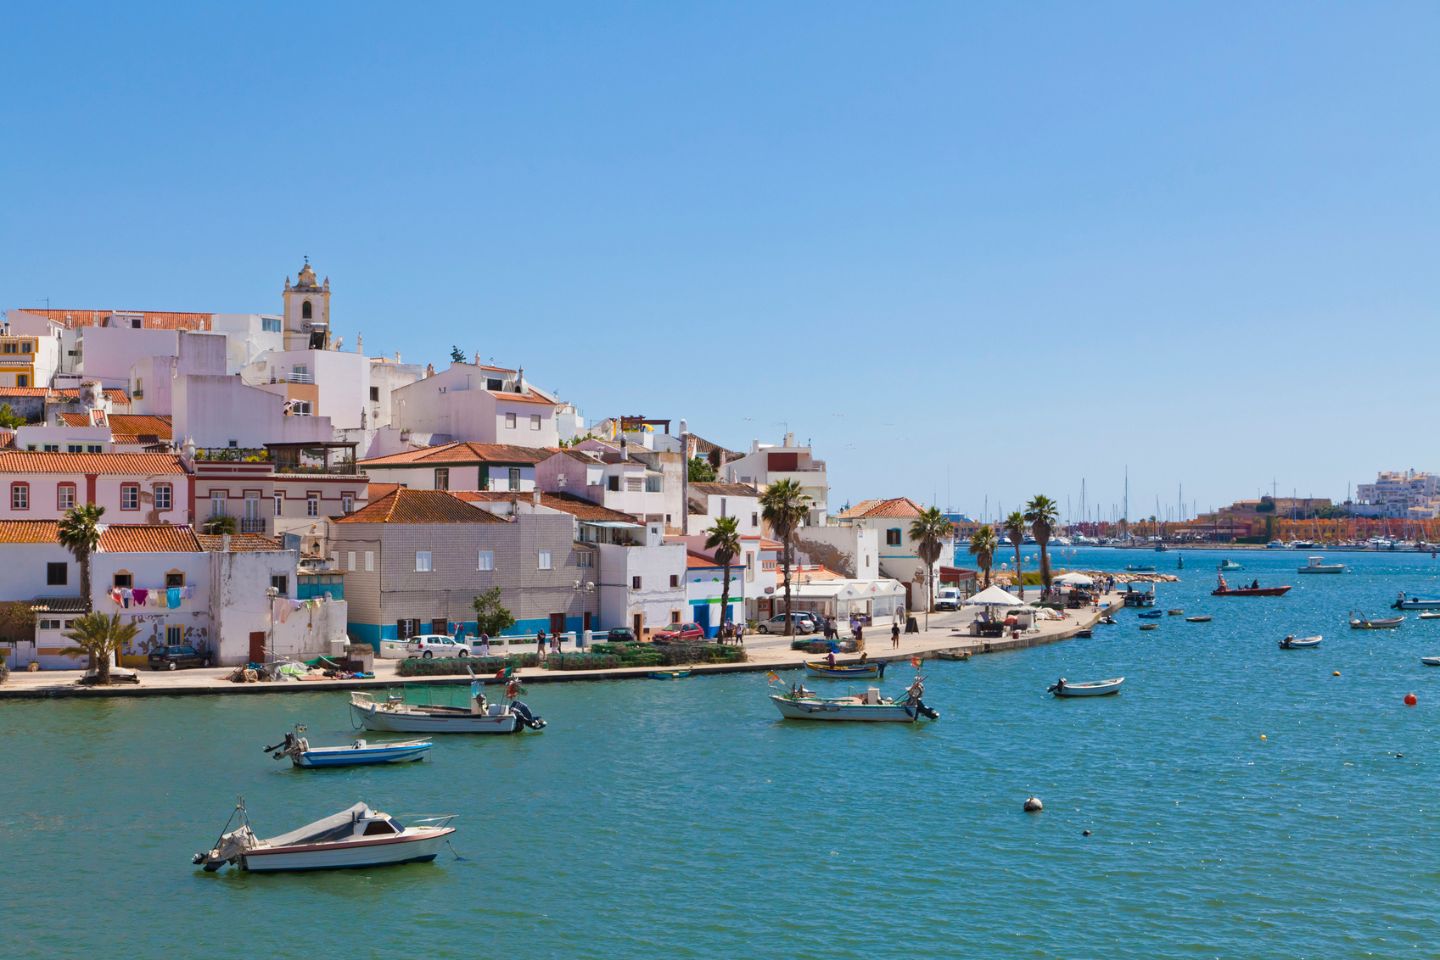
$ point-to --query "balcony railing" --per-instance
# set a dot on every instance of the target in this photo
(252, 525)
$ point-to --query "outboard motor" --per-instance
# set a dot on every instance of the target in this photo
(925, 711)
(526, 717)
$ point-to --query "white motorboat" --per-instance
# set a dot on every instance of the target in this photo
(1430, 661)
(1318, 565)
(802, 704)
(1429, 614)
(396, 715)
(1095, 688)
(1359, 621)
(1413, 602)
(354, 837)
(1300, 643)
(360, 753)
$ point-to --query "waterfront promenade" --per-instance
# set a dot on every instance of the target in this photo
(946, 636)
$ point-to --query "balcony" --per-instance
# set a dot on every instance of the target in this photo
(252, 525)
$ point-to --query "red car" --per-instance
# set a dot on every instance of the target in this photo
(680, 633)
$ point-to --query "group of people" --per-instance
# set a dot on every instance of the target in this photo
(731, 632)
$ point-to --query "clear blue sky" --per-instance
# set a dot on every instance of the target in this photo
(964, 247)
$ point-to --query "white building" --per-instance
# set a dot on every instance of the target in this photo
(643, 587)
(766, 464)
(709, 501)
(220, 411)
(1396, 493)
(481, 403)
(609, 477)
(890, 519)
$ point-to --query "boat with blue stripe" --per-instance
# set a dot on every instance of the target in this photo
(360, 753)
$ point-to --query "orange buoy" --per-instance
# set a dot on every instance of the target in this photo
(1411, 700)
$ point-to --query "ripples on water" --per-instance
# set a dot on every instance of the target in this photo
(685, 820)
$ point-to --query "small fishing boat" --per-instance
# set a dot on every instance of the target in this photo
(1413, 602)
(1255, 590)
(1430, 661)
(396, 715)
(1149, 626)
(1229, 565)
(1138, 598)
(355, 837)
(1318, 565)
(1084, 634)
(1108, 620)
(1430, 614)
(802, 704)
(1358, 621)
(668, 674)
(1201, 618)
(1096, 688)
(1151, 615)
(1177, 612)
(358, 754)
(1138, 568)
(1300, 643)
(845, 671)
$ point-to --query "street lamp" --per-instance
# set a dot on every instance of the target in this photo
(271, 592)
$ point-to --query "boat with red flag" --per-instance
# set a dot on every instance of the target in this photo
(1254, 590)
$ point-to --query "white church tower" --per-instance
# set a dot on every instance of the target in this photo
(307, 312)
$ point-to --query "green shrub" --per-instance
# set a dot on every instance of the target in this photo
(582, 661)
(448, 666)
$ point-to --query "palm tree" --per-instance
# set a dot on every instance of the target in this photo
(1042, 515)
(99, 637)
(220, 523)
(983, 544)
(80, 534)
(929, 531)
(784, 506)
(724, 539)
(1015, 530)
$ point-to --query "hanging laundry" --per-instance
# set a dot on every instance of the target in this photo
(140, 594)
(126, 596)
(172, 597)
(115, 595)
(185, 592)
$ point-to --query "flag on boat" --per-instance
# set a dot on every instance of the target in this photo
(504, 673)
(474, 688)
(772, 676)
(915, 662)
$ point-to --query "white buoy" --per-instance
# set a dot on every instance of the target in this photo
(1033, 805)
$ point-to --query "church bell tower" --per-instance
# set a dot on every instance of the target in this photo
(307, 312)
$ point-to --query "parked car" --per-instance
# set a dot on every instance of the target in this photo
(429, 645)
(619, 635)
(948, 598)
(680, 633)
(175, 657)
(804, 623)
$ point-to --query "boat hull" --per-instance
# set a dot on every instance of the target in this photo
(1300, 643)
(869, 671)
(361, 756)
(1418, 603)
(1101, 688)
(381, 852)
(1430, 661)
(831, 710)
(1337, 568)
(1248, 592)
(375, 717)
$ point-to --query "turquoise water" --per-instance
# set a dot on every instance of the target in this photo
(684, 819)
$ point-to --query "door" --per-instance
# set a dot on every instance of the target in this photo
(638, 625)
(586, 622)
(702, 616)
(557, 623)
(257, 647)
(440, 626)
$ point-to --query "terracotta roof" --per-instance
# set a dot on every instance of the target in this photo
(57, 605)
(523, 398)
(578, 507)
(462, 453)
(77, 420)
(896, 507)
(152, 319)
(419, 506)
(724, 489)
(7, 440)
(25, 461)
(239, 542)
(115, 394)
(374, 491)
(29, 531)
(768, 544)
(142, 427)
(24, 391)
(693, 560)
(149, 538)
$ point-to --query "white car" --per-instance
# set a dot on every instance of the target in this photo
(947, 599)
(429, 645)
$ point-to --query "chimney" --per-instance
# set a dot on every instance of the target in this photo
(520, 380)
(359, 343)
(535, 496)
(224, 543)
(789, 439)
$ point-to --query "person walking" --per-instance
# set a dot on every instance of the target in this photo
(740, 633)
(540, 645)
(484, 644)
(556, 639)
(895, 637)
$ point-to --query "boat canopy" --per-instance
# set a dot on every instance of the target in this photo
(346, 816)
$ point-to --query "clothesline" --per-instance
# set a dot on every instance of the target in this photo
(282, 607)
(127, 597)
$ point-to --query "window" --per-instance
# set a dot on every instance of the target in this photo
(724, 505)
(19, 496)
(486, 560)
(369, 561)
(514, 478)
(584, 558)
(270, 324)
(612, 483)
(22, 380)
(347, 505)
(674, 616)
(754, 519)
(634, 484)
(306, 311)
(279, 503)
(423, 562)
(892, 537)
(49, 624)
(65, 496)
(312, 503)
(51, 448)
(510, 420)
(545, 563)
(124, 579)
(11, 347)
(217, 503)
(652, 485)
(74, 448)
(534, 421)
(93, 448)
(442, 478)
(634, 583)
(674, 579)
(56, 574)
(26, 347)
(374, 394)
(250, 521)
(129, 496)
(174, 579)
(350, 561)
(494, 383)
(174, 636)
(164, 496)
(281, 583)
(749, 568)
(300, 408)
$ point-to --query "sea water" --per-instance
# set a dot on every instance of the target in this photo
(1242, 801)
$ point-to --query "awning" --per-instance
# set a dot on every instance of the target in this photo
(613, 524)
